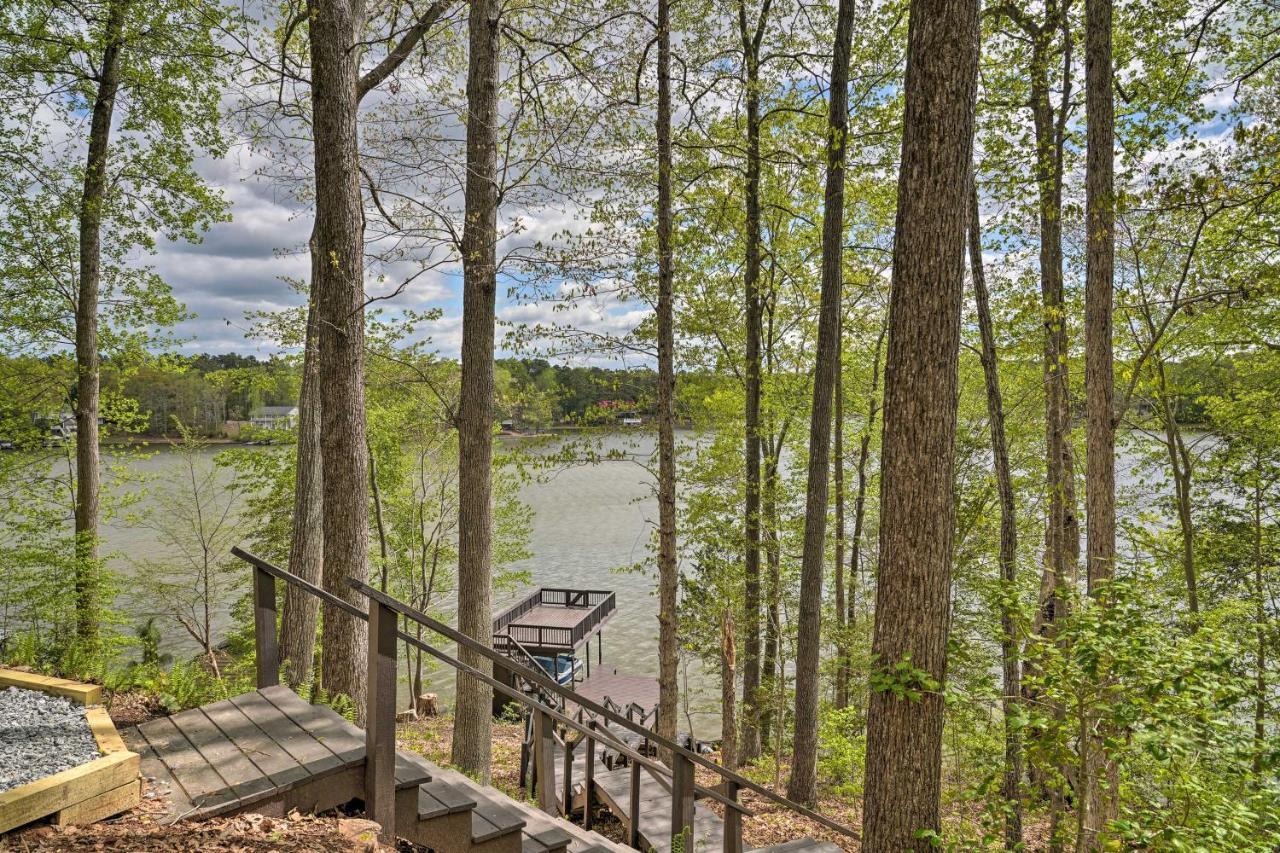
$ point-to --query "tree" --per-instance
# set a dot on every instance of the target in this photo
(668, 561)
(901, 806)
(751, 38)
(471, 740)
(1011, 666)
(306, 545)
(144, 76)
(1100, 475)
(338, 241)
(802, 786)
(197, 518)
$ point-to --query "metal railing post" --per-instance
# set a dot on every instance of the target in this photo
(681, 802)
(266, 650)
(380, 721)
(732, 820)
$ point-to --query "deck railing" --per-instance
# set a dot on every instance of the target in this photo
(383, 616)
(602, 603)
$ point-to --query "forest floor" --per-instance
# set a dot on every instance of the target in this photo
(141, 829)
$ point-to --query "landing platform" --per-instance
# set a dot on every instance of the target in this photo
(268, 750)
(622, 690)
(553, 620)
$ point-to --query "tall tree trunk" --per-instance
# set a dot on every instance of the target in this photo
(1182, 469)
(668, 569)
(750, 746)
(803, 785)
(1097, 805)
(336, 27)
(1011, 788)
(1260, 618)
(769, 674)
(88, 368)
(917, 503)
(728, 692)
(473, 718)
(837, 474)
(306, 544)
(860, 497)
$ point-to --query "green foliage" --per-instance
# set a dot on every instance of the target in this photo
(903, 680)
(842, 733)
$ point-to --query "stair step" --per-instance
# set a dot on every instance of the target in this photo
(440, 797)
(493, 815)
(548, 839)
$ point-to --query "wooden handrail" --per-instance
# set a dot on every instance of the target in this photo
(582, 701)
(683, 759)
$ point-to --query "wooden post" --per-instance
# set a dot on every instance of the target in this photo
(567, 785)
(266, 650)
(544, 765)
(633, 833)
(590, 778)
(732, 820)
(380, 722)
(681, 802)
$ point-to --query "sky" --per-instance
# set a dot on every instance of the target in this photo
(244, 265)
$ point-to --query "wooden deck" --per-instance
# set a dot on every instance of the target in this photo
(269, 750)
(621, 689)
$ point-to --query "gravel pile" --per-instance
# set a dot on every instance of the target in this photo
(41, 735)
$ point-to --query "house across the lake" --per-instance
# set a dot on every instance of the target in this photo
(274, 417)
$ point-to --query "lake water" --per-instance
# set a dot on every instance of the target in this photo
(589, 521)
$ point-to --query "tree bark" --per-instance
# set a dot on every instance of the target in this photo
(668, 570)
(750, 746)
(88, 367)
(769, 675)
(803, 785)
(473, 718)
(1182, 467)
(728, 693)
(1097, 806)
(1008, 559)
(837, 473)
(1260, 618)
(904, 736)
(306, 545)
(336, 27)
(860, 498)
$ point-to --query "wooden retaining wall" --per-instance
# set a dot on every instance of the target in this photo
(84, 794)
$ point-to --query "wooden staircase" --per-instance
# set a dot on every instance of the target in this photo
(269, 751)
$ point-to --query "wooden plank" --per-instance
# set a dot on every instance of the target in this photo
(269, 756)
(208, 791)
(25, 803)
(312, 755)
(103, 805)
(241, 774)
(324, 724)
(158, 778)
(85, 694)
(104, 731)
